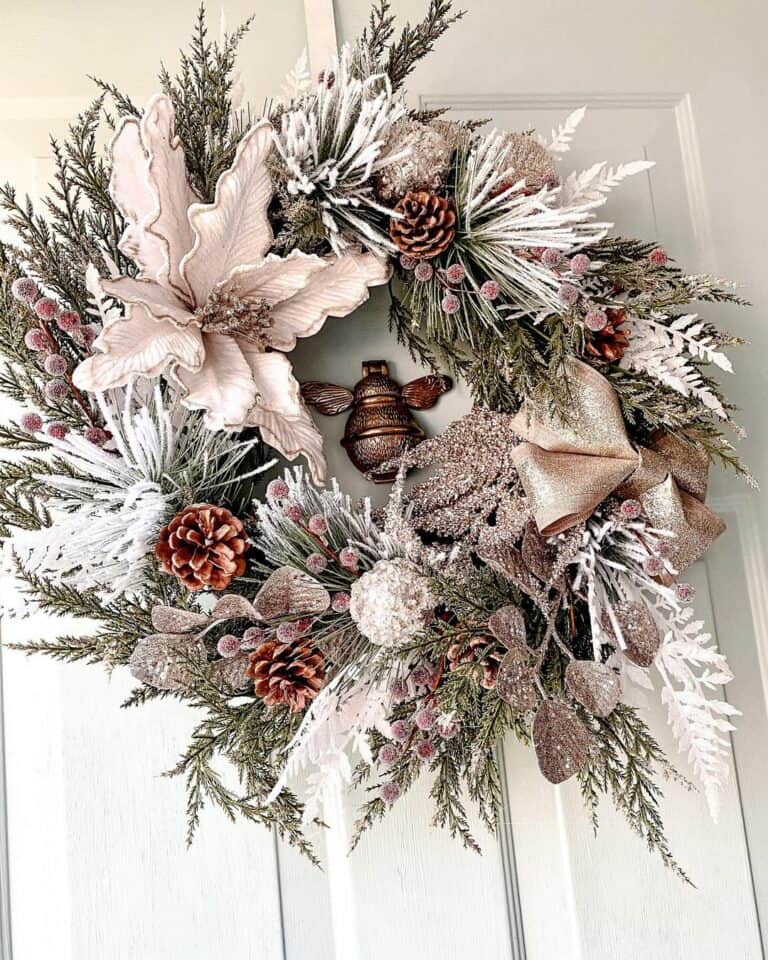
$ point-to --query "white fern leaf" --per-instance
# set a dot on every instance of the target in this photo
(337, 722)
(612, 564)
(700, 724)
(594, 184)
(298, 80)
(664, 352)
(562, 135)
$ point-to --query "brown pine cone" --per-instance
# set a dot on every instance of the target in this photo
(460, 653)
(290, 673)
(203, 546)
(610, 343)
(427, 227)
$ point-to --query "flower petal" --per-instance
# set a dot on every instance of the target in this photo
(335, 291)
(138, 345)
(167, 174)
(223, 387)
(284, 421)
(277, 388)
(160, 301)
(275, 278)
(292, 437)
(136, 199)
(235, 228)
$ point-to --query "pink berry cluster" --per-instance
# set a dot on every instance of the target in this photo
(451, 279)
(567, 269)
(32, 423)
(418, 732)
(47, 311)
(40, 340)
(287, 631)
(316, 525)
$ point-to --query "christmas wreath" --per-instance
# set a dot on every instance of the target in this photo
(513, 587)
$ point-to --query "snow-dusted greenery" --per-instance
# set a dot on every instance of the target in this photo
(664, 348)
(107, 506)
(611, 567)
(506, 305)
(499, 221)
(331, 141)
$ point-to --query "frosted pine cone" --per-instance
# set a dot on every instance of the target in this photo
(392, 602)
(427, 226)
(203, 546)
(289, 673)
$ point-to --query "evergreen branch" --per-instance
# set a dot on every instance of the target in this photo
(623, 762)
(414, 42)
(450, 812)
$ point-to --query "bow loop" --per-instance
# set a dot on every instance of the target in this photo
(568, 468)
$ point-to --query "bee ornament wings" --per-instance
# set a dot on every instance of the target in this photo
(328, 398)
(423, 393)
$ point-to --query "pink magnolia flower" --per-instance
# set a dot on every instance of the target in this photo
(210, 308)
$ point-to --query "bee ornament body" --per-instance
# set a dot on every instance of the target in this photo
(380, 427)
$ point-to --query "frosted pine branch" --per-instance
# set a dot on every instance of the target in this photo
(332, 141)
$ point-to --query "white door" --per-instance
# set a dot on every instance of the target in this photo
(97, 863)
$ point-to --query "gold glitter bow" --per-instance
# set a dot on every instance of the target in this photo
(567, 469)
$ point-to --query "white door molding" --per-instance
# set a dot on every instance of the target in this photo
(741, 507)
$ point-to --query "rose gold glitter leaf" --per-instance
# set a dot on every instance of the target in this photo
(515, 682)
(561, 741)
(507, 624)
(641, 635)
(538, 555)
(288, 590)
(507, 560)
(234, 607)
(594, 685)
(232, 671)
(171, 620)
(166, 661)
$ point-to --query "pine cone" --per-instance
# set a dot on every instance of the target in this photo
(428, 225)
(610, 343)
(203, 546)
(290, 673)
(460, 653)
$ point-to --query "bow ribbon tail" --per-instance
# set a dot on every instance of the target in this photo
(694, 526)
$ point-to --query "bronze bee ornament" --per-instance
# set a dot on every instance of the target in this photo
(381, 427)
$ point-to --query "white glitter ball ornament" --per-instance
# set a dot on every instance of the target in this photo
(392, 602)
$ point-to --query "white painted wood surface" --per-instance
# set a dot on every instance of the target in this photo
(98, 863)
